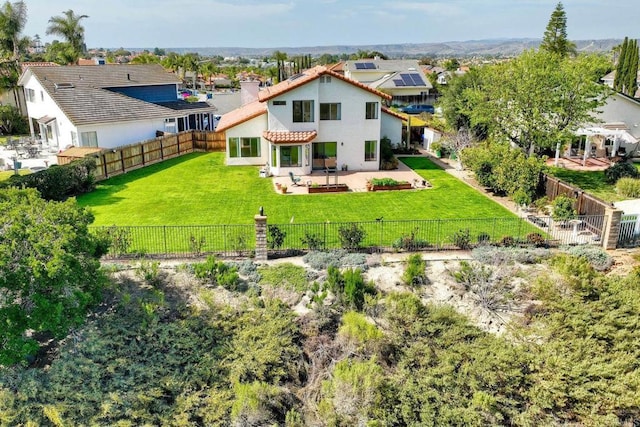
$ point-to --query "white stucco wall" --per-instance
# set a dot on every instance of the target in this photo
(391, 128)
(430, 136)
(111, 135)
(249, 129)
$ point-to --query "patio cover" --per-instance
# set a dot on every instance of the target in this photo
(288, 137)
(45, 119)
(619, 134)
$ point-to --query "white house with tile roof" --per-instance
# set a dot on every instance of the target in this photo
(315, 120)
(403, 79)
(107, 106)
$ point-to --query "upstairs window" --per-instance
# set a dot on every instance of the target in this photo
(302, 111)
(371, 110)
(30, 94)
(330, 111)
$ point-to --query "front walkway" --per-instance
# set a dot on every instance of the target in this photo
(355, 180)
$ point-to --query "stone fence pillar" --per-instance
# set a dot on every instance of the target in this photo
(611, 231)
(261, 236)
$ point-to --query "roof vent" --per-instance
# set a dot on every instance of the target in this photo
(64, 85)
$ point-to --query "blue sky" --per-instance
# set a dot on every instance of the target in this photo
(298, 23)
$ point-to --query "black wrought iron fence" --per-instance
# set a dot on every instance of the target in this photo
(370, 236)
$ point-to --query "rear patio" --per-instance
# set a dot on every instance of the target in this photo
(355, 180)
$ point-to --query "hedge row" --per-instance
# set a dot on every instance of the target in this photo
(58, 182)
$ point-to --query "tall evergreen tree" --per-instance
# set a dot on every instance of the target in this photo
(555, 36)
(618, 82)
(631, 78)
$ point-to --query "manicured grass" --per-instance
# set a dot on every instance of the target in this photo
(200, 189)
(591, 182)
(4, 175)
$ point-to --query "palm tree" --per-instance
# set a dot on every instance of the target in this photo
(68, 26)
(208, 69)
(13, 17)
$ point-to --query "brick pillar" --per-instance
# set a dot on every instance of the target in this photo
(261, 237)
(613, 217)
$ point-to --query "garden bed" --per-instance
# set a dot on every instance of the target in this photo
(331, 188)
(406, 186)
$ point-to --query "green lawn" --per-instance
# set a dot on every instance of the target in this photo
(591, 182)
(200, 189)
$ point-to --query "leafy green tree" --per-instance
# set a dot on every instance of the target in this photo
(68, 26)
(457, 101)
(539, 98)
(555, 36)
(12, 122)
(50, 270)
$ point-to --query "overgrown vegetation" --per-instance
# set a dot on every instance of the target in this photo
(153, 355)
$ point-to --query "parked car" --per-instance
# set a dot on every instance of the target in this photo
(418, 108)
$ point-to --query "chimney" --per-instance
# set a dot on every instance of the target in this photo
(249, 91)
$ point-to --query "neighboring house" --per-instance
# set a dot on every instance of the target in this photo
(617, 130)
(610, 78)
(403, 79)
(315, 120)
(107, 105)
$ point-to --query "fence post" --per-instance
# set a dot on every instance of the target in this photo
(611, 231)
(261, 236)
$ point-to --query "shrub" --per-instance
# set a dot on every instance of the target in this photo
(117, 239)
(276, 236)
(312, 241)
(410, 242)
(196, 244)
(620, 170)
(149, 271)
(59, 182)
(217, 273)
(285, 275)
(351, 236)
(414, 274)
(536, 239)
(563, 208)
(496, 255)
(628, 187)
(462, 239)
(596, 256)
(355, 288)
(507, 241)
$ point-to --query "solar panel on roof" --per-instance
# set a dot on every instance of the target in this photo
(360, 66)
(417, 79)
(398, 82)
(370, 66)
(412, 79)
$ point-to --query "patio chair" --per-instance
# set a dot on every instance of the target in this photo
(294, 179)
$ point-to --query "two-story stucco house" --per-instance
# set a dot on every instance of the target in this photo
(107, 105)
(315, 120)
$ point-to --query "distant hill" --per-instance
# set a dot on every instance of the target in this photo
(494, 47)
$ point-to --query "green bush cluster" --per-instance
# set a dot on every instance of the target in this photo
(415, 274)
(628, 187)
(620, 170)
(351, 236)
(563, 209)
(58, 182)
(217, 273)
(410, 242)
(349, 286)
(385, 182)
(505, 170)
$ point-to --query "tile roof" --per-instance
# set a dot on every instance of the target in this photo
(306, 76)
(393, 113)
(25, 65)
(283, 137)
(242, 114)
(81, 92)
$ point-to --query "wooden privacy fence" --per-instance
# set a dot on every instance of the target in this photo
(585, 203)
(116, 161)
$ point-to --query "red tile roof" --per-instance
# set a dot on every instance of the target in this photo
(393, 113)
(240, 115)
(306, 76)
(284, 137)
